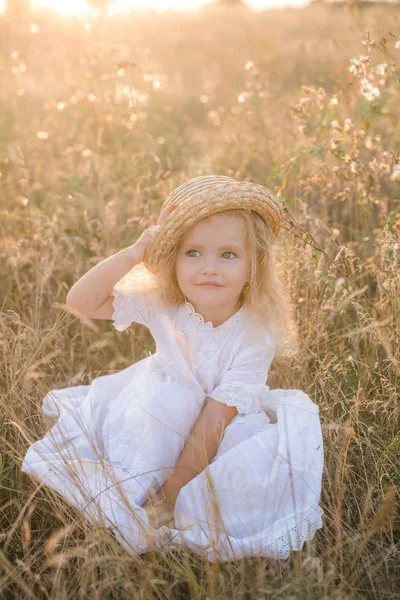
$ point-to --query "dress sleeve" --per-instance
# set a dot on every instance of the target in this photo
(242, 382)
(134, 306)
(135, 300)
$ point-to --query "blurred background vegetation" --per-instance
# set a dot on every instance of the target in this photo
(99, 120)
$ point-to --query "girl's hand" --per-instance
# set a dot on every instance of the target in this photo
(160, 512)
(147, 234)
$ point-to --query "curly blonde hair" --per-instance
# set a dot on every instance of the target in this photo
(265, 297)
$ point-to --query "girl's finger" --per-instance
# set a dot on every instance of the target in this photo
(168, 209)
(165, 212)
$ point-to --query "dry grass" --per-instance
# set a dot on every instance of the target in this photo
(89, 152)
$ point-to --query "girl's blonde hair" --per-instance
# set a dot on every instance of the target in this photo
(265, 297)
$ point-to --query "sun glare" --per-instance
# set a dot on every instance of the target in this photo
(81, 7)
(72, 7)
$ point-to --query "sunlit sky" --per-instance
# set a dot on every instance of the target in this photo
(80, 7)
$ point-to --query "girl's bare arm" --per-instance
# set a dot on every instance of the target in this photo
(200, 448)
(93, 289)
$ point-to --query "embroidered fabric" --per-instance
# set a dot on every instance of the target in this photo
(243, 380)
(298, 534)
(208, 354)
(197, 320)
(128, 309)
(233, 396)
(292, 541)
(166, 365)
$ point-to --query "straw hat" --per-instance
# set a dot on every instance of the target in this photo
(203, 196)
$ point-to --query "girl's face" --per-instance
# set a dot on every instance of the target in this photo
(213, 250)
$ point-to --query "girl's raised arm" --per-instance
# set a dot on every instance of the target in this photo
(94, 288)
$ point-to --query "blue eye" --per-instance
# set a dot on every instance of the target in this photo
(197, 251)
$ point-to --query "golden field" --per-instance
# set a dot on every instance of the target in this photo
(99, 121)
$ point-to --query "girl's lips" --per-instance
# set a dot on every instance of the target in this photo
(209, 285)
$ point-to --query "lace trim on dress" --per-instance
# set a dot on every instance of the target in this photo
(298, 534)
(293, 540)
(126, 311)
(233, 396)
(198, 320)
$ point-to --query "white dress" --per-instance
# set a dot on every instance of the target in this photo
(114, 440)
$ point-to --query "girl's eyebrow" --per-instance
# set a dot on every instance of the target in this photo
(219, 247)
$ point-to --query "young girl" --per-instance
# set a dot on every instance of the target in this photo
(189, 446)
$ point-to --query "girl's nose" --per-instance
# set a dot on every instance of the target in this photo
(211, 269)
